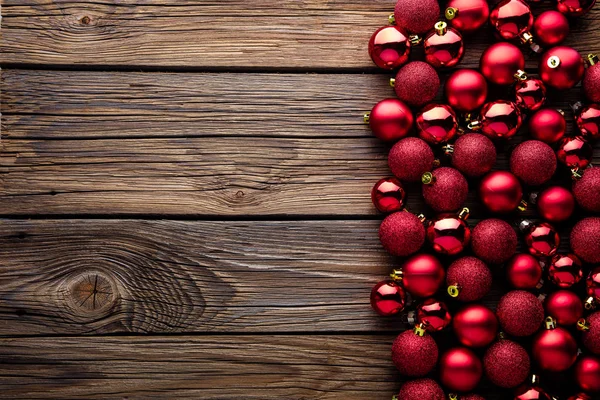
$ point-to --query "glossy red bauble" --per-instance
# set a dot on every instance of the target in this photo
(565, 270)
(388, 195)
(466, 90)
(460, 369)
(555, 204)
(587, 188)
(531, 392)
(547, 125)
(574, 152)
(416, 16)
(422, 275)
(387, 298)
(530, 94)
(575, 8)
(416, 83)
(591, 80)
(564, 306)
(445, 189)
(584, 240)
(587, 374)
(591, 337)
(524, 271)
(500, 119)
(433, 314)
(473, 154)
(520, 313)
(541, 238)
(443, 46)
(389, 47)
(506, 364)
(475, 325)
(554, 349)
(592, 284)
(468, 279)
(390, 120)
(580, 396)
(550, 28)
(410, 158)
(588, 121)
(500, 191)
(467, 15)
(561, 67)
(511, 18)
(448, 234)
(494, 241)
(437, 123)
(500, 62)
(414, 355)
(420, 389)
(534, 162)
(402, 233)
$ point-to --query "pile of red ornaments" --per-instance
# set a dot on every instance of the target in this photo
(545, 323)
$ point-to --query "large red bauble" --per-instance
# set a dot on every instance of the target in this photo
(388, 195)
(387, 298)
(436, 123)
(591, 80)
(500, 62)
(587, 373)
(402, 233)
(541, 238)
(417, 83)
(468, 15)
(554, 349)
(564, 306)
(390, 120)
(433, 314)
(448, 234)
(414, 355)
(410, 158)
(494, 241)
(506, 364)
(561, 67)
(575, 8)
(475, 325)
(587, 188)
(584, 240)
(500, 191)
(547, 125)
(511, 18)
(443, 46)
(466, 90)
(389, 47)
(416, 16)
(420, 389)
(588, 121)
(530, 94)
(524, 271)
(468, 279)
(473, 154)
(531, 392)
(460, 369)
(574, 152)
(565, 270)
(520, 313)
(591, 337)
(447, 191)
(555, 204)
(422, 275)
(500, 119)
(534, 162)
(550, 28)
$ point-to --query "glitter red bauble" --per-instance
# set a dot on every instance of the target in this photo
(591, 337)
(388, 195)
(574, 152)
(575, 8)
(447, 192)
(564, 306)
(387, 298)
(500, 191)
(466, 90)
(531, 392)
(389, 47)
(402, 233)
(460, 369)
(541, 238)
(448, 234)
(433, 314)
(410, 158)
(471, 277)
(417, 83)
(416, 16)
(500, 119)
(554, 349)
(420, 389)
(591, 83)
(561, 67)
(530, 94)
(414, 355)
(534, 162)
(587, 373)
(443, 48)
(550, 28)
(520, 313)
(500, 62)
(473, 154)
(555, 204)
(390, 120)
(565, 270)
(506, 364)
(436, 123)
(524, 271)
(475, 325)
(587, 190)
(470, 15)
(588, 120)
(547, 125)
(511, 18)
(422, 275)
(494, 240)
(584, 240)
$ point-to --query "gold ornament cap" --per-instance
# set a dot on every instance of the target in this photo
(427, 178)
(454, 290)
(550, 323)
(451, 13)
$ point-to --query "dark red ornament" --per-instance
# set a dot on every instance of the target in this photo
(410, 158)
(414, 352)
(506, 364)
(561, 67)
(524, 271)
(554, 348)
(555, 204)
(584, 240)
(416, 16)
(471, 396)
(564, 306)
(436, 123)
(587, 189)
(530, 94)
(574, 152)
(467, 15)
(550, 28)
(449, 233)
(460, 369)
(466, 90)
(541, 238)
(500, 191)
(387, 298)
(443, 46)
(592, 284)
(422, 275)
(416, 83)
(402, 233)
(531, 392)
(588, 121)
(520, 313)
(420, 389)
(433, 314)
(473, 154)
(388, 195)
(475, 325)
(494, 241)
(580, 396)
(511, 18)
(500, 119)
(445, 189)
(575, 8)
(534, 162)
(500, 62)
(468, 279)
(547, 125)
(591, 334)
(591, 79)
(389, 47)
(390, 120)
(565, 270)
(587, 373)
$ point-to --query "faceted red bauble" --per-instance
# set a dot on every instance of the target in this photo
(390, 120)
(524, 271)
(402, 233)
(541, 238)
(420, 389)
(500, 119)
(588, 121)
(547, 125)
(500, 191)
(587, 188)
(550, 28)
(534, 162)
(389, 47)
(530, 94)
(587, 373)
(448, 234)
(591, 337)
(584, 240)
(506, 364)
(468, 279)
(554, 349)
(475, 325)
(531, 392)
(494, 240)
(555, 204)
(520, 313)
(460, 369)
(591, 82)
(433, 314)
(417, 83)
(443, 46)
(388, 195)
(422, 275)
(511, 18)
(574, 152)
(414, 355)
(565, 270)
(387, 298)
(561, 67)
(436, 123)
(575, 8)
(473, 154)
(410, 158)
(467, 15)
(500, 62)
(416, 16)
(447, 191)
(564, 306)
(466, 90)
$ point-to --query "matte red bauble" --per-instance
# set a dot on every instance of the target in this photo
(416, 83)
(388, 195)
(500, 119)
(494, 241)
(591, 337)
(473, 154)
(534, 162)
(389, 47)
(524, 271)
(387, 298)
(467, 15)
(433, 314)
(500, 62)
(445, 189)
(591, 79)
(550, 28)
(531, 392)
(555, 204)
(466, 90)
(460, 369)
(584, 240)
(511, 18)
(506, 364)
(587, 373)
(554, 349)
(541, 238)
(436, 123)
(575, 8)
(530, 94)
(587, 188)
(574, 152)
(520, 313)
(547, 125)
(422, 275)
(416, 16)
(500, 191)
(410, 158)
(588, 121)
(468, 279)
(475, 325)
(402, 233)
(561, 67)
(565, 270)
(414, 353)
(390, 120)
(564, 306)
(443, 46)
(420, 389)
(448, 234)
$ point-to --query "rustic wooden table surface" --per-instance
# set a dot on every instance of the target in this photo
(185, 199)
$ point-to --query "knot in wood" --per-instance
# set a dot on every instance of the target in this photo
(86, 20)
(91, 292)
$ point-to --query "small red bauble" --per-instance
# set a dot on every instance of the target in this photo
(402, 233)
(565, 270)
(448, 234)
(473, 154)
(414, 353)
(422, 275)
(436, 123)
(500, 62)
(555, 204)
(541, 238)
(494, 240)
(587, 373)
(506, 364)
(387, 298)
(547, 125)
(390, 120)
(592, 284)
(564, 306)
(410, 158)
(468, 279)
(584, 240)
(531, 392)
(591, 79)
(445, 189)
(524, 271)
(520, 313)
(466, 90)
(561, 67)
(460, 369)
(574, 152)
(587, 188)
(443, 46)
(416, 16)
(500, 119)
(388, 195)
(591, 337)
(389, 47)
(534, 162)
(580, 396)
(416, 83)
(554, 349)
(433, 314)
(530, 94)
(511, 18)
(420, 389)
(475, 325)
(500, 191)
(575, 8)
(588, 121)
(550, 28)
(467, 15)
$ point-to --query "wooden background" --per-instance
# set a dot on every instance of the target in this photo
(185, 199)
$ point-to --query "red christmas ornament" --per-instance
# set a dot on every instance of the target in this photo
(530, 94)
(554, 348)
(531, 392)
(584, 240)
(473, 154)
(587, 188)
(460, 369)
(414, 352)
(591, 79)
(574, 152)
(564, 306)
(500, 119)
(449, 234)
(494, 241)
(416, 83)
(445, 189)
(468, 279)
(475, 325)
(511, 18)
(520, 313)
(387, 298)
(575, 8)
(471, 397)
(420, 389)
(555, 204)
(500, 191)
(588, 121)
(389, 47)
(500, 62)
(534, 162)
(587, 373)
(467, 15)
(402, 233)
(547, 125)
(390, 120)
(443, 46)
(541, 238)
(592, 284)
(524, 271)
(466, 90)
(410, 158)
(416, 16)
(591, 336)
(565, 270)
(388, 195)
(422, 275)
(436, 123)
(561, 67)
(580, 396)
(433, 314)
(551, 28)
(506, 364)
